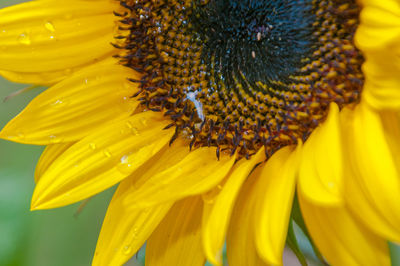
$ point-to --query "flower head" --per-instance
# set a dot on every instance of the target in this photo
(214, 117)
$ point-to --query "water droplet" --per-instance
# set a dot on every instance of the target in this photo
(135, 131)
(135, 233)
(331, 184)
(86, 81)
(143, 121)
(57, 103)
(128, 86)
(67, 71)
(49, 26)
(107, 153)
(24, 39)
(127, 104)
(127, 249)
(20, 135)
(129, 125)
(125, 165)
(54, 139)
(208, 200)
(92, 146)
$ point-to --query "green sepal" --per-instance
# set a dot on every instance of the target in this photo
(294, 245)
(297, 217)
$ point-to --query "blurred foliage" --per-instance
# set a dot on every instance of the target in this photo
(45, 238)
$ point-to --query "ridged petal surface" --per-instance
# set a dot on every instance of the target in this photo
(341, 239)
(101, 160)
(49, 155)
(54, 38)
(380, 24)
(274, 190)
(124, 231)
(320, 173)
(240, 242)
(372, 185)
(194, 173)
(217, 214)
(177, 240)
(75, 107)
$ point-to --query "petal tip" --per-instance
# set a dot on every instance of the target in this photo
(4, 134)
(39, 203)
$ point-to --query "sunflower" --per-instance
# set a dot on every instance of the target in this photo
(217, 119)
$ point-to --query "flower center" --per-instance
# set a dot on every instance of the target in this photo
(242, 74)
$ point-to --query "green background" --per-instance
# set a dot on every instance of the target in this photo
(45, 238)
(51, 237)
(40, 238)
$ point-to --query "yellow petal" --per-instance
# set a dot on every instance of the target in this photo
(101, 160)
(380, 24)
(217, 214)
(177, 240)
(320, 174)
(49, 155)
(73, 108)
(341, 239)
(240, 243)
(42, 78)
(195, 173)
(274, 190)
(125, 231)
(382, 80)
(50, 36)
(372, 184)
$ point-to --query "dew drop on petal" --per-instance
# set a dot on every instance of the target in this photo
(24, 39)
(57, 103)
(208, 200)
(67, 71)
(54, 139)
(126, 104)
(49, 26)
(107, 153)
(143, 121)
(135, 131)
(135, 232)
(127, 249)
(92, 145)
(20, 135)
(129, 125)
(331, 184)
(125, 165)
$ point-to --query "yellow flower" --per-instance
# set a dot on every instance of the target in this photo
(268, 95)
